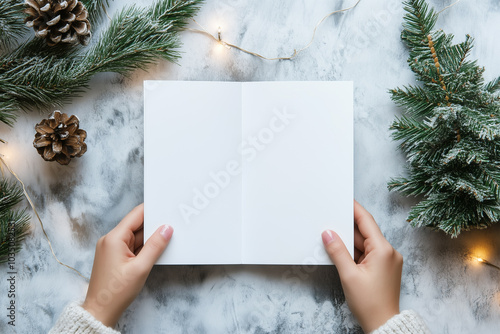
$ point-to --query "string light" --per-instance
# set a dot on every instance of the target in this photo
(487, 263)
(218, 37)
(221, 42)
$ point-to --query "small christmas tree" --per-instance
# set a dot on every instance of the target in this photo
(14, 224)
(450, 131)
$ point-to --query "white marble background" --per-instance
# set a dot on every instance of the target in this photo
(85, 200)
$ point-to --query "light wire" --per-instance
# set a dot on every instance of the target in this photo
(39, 219)
(449, 6)
(295, 53)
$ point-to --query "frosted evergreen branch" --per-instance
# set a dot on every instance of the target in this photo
(411, 133)
(451, 131)
(14, 224)
(418, 21)
(36, 76)
(418, 101)
(8, 110)
(95, 8)
(453, 57)
(493, 85)
(490, 176)
(453, 214)
(11, 22)
(408, 187)
(137, 37)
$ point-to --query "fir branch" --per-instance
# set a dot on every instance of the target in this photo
(480, 125)
(453, 214)
(453, 57)
(38, 47)
(10, 195)
(34, 76)
(8, 110)
(409, 187)
(451, 131)
(14, 227)
(493, 85)
(39, 81)
(418, 23)
(490, 176)
(14, 224)
(410, 132)
(11, 22)
(465, 152)
(174, 11)
(418, 101)
(134, 39)
(95, 9)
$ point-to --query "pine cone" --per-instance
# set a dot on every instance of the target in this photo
(58, 21)
(59, 138)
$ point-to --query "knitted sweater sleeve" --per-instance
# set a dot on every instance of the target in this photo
(406, 322)
(76, 320)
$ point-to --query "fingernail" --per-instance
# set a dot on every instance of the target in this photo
(327, 237)
(166, 231)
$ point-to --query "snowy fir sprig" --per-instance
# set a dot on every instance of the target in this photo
(450, 130)
(36, 76)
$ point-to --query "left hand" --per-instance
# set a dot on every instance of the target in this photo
(121, 266)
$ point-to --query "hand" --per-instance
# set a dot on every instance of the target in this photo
(371, 284)
(121, 266)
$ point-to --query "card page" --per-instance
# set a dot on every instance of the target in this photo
(192, 169)
(297, 155)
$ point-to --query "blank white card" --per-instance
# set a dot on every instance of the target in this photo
(248, 173)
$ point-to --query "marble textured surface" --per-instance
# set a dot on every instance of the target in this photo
(84, 200)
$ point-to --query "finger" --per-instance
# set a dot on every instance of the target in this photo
(133, 220)
(338, 252)
(155, 246)
(138, 250)
(361, 258)
(359, 241)
(139, 239)
(365, 222)
(357, 254)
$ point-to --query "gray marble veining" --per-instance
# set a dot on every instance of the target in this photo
(84, 200)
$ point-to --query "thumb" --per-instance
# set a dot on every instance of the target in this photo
(155, 246)
(338, 253)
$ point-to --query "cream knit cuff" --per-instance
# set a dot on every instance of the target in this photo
(76, 320)
(406, 322)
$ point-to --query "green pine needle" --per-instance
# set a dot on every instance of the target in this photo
(11, 22)
(14, 224)
(450, 132)
(95, 9)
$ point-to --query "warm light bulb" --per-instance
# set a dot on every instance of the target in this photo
(479, 259)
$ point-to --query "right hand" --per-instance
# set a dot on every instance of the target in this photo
(371, 282)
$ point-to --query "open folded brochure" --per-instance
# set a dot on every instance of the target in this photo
(248, 173)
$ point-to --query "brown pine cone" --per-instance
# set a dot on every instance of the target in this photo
(59, 138)
(58, 21)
